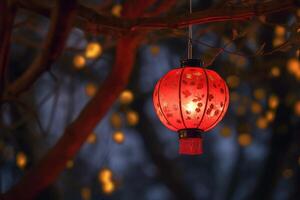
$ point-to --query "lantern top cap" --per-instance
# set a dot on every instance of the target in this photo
(191, 62)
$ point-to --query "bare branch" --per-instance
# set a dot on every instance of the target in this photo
(161, 8)
(60, 27)
(7, 16)
(90, 19)
(48, 169)
(76, 133)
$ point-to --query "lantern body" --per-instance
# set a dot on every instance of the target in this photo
(191, 98)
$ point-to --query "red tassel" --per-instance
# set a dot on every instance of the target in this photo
(190, 146)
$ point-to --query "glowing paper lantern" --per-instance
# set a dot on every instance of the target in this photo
(191, 100)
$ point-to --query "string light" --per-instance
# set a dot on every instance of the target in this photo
(244, 139)
(108, 187)
(154, 49)
(279, 31)
(275, 71)
(116, 120)
(70, 164)
(256, 107)
(279, 36)
(241, 110)
(92, 138)
(297, 108)
(126, 97)
(132, 118)
(90, 89)
(105, 178)
(270, 115)
(116, 10)
(86, 193)
(79, 62)
(225, 131)
(93, 50)
(118, 137)
(259, 93)
(105, 175)
(21, 160)
(293, 65)
(262, 123)
(233, 81)
(234, 96)
(273, 101)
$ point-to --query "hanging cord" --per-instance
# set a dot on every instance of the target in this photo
(190, 36)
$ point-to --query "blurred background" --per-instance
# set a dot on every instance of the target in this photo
(253, 153)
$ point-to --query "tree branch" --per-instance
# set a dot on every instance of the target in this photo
(162, 7)
(7, 16)
(91, 20)
(48, 169)
(60, 27)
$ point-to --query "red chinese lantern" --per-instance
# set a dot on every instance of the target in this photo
(191, 100)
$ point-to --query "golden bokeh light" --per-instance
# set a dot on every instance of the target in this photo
(105, 175)
(90, 89)
(21, 160)
(118, 137)
(234, 96)
(256, 107)
(93, 50)
(154, 49)
(270, 115)
(79, 62)
(262, 123)
(116, 120)
(273, 101)
(92, 138)
(126, 97)
(275, 71)
(225, 131)
(233, 81)
(279, 31)
(297, 108)
(293, 65)
(259, 93)
(244, 139)
(132, 118)
(116, 10)
(70, 164)
(277, 41)
(240, 61)
(287, 173)
(86, 193)
(241, 110)
(108, 187)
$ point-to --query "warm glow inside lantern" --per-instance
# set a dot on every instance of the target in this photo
(191, 100)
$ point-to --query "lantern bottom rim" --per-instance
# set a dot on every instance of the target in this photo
(190, 133)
